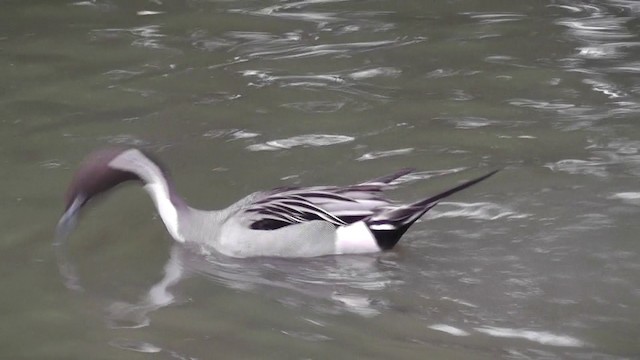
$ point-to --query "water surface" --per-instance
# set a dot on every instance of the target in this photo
(540, 262)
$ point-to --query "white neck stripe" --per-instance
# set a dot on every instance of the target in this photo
(166, 209)
(155, 184)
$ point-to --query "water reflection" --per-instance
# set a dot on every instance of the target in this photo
(346, 281)
(123, 315)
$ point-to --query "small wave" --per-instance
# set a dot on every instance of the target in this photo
(470, 122)
(212, 44)
(339, 82)
(124, 139)
(307, 336)
(504, 60)
(143, 36)
(428, 174)
(119, 74)
(632, 67)
(215, 98)
(540, 104)
(267, 78)
(135, 345)
(346, 281)
(302, 140)
(449, 329)
(461, 302)
(339, 22)
(606, 88)
(579, 167)
(316, 106)
(492, 18)
(375, 72)
(598, 27)
(479, 211)
(541, 337)
(148, 12)
(51, 164)
(356, 304)
(632, 198)
(443, 73)
(381, 154)
(296, 52)
(282, 10)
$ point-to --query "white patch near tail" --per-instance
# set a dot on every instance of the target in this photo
(383, 227)
(355, 238)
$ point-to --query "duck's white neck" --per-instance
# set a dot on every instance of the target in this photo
(159, 193)
(156, 184)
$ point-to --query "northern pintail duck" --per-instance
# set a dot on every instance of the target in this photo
(287, 222)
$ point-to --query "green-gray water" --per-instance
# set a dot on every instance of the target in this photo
(542, 261)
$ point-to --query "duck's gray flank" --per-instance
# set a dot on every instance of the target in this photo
(290, 222)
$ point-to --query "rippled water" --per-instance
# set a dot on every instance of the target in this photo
(540, 262)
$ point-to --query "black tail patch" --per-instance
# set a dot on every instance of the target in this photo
(388, 238)
(389, 226)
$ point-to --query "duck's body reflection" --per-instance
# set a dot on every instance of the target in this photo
(336, 283)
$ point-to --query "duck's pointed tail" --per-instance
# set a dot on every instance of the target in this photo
(390, 225)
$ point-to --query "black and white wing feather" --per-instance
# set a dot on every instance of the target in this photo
(336, 205)
(342, 206)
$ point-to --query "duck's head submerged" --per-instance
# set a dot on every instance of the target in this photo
(99, 172)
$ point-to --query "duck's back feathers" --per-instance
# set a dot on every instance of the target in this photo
(344, 206)
(337, 205)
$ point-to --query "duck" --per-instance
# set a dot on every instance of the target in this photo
(283, 222)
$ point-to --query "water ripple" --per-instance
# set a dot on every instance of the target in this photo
(124, 139)
(492, 18)
(232, 134)
(143, 36)
(630, 197)
(292, 52)
(337, 21)
(264, 78)
(342, 83)
(541, 337)
(381, 154)
(540, 104)
(606, 88)
(427, 174)
(135, 345)
(316, 106)
(470, 122)
(600, 31)
(307, 336)
(479, 211)
(282, 10)
(449, 329)
(301, 140)
(375, 72)
(443, 73)
(347, 281)
(579, 167)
